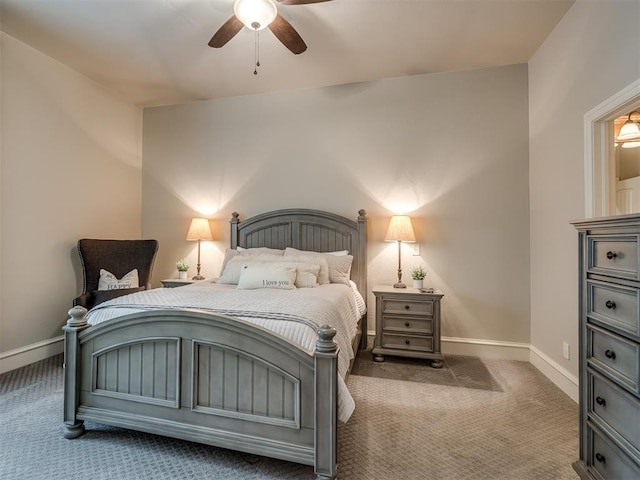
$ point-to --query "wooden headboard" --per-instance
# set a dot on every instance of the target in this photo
(305, 229)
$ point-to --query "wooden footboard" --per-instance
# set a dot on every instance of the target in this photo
(206, 378)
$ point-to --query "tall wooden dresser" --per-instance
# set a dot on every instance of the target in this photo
(609, 348)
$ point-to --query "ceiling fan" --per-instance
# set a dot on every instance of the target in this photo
(257, 15)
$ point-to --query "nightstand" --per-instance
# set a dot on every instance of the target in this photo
(176, 282)
(407, 324)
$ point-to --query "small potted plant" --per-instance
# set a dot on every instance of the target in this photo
(182, 267)
(418, 273)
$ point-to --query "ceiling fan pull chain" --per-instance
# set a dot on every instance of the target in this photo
(257, 51)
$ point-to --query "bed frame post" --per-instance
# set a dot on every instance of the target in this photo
(235, 219)
(326, 405)
(75, 324)
(362, 272)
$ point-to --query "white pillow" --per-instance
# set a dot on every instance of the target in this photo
(337, 252)
(231, 272)
(267, 276)
(339, 265)
(306, 272)
(248, 252)
(108, 280)
(260, 251)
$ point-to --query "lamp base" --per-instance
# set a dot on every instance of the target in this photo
(399, 285)
(198, 277)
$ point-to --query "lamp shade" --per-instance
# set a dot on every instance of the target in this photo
(255, 14)
(400, 230)
(199, 230)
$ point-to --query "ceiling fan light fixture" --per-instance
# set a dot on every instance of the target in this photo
(255, 14)
(629, 131)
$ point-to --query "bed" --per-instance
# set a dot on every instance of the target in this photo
(218, 378)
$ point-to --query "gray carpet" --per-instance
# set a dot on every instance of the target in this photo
(473, 419)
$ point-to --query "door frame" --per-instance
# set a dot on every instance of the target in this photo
(599, 155)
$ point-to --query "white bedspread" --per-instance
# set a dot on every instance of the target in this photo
(294, 314)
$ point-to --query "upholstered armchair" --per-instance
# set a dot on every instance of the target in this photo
(118, 257)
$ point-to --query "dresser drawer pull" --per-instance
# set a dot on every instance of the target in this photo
(407, 324)
(611, 255)
(407, 307)
(610, 305)
(407, 342)
(610, 354)
(600, 458)
(601, 401)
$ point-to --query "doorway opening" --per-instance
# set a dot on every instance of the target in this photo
(605, 193)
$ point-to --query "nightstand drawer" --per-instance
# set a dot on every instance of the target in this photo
(614, 305)
(614, 356)
(407, 342)
(408, 324)
(607, 460)
(614, 255)
(614, 407)
(398, 306)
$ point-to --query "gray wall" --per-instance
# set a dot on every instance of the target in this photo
(449, 149)
(592, 54)
(70, 167)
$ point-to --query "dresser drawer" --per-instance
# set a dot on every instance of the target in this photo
(406, 324)
(398, 306)
(614, 305)
(608, 460)
(615, 255)
(407, 342)
(613, 406)
(615, 356)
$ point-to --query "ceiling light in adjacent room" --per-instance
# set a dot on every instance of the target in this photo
(630, 131)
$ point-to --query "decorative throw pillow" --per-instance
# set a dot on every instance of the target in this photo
(108, 280)
(306, 274)
(267, 276)
(313, 258)
(339, 265)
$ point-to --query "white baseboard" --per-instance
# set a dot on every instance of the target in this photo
(485, 348)
(560, 376)
(31, 353)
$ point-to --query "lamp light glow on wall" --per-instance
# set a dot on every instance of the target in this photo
(629, 135)
(400, 230)
(199, 230)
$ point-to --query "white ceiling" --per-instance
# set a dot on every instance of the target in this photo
(155, 52)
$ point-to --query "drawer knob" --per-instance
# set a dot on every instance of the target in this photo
(610, 305)
(611, 255)
(407, 324)
(407, 307)
(610, 354)
(407, 342)
(600, 458)
(601, 401)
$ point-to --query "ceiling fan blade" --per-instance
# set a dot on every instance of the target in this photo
(299, 2)
(287, 35)
(226, 32)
